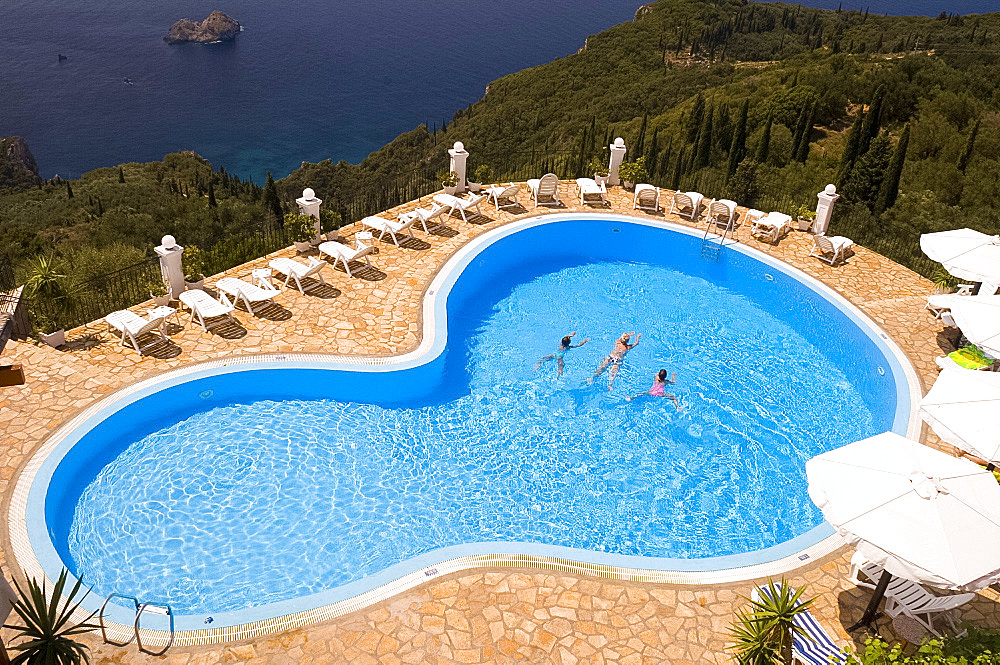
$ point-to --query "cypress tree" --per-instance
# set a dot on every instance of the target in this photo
(704, 155)
(850, 150)
(742, 186)
(69, 190)
(738, 147)
(800, 125)
(675, 175)
(970, 146)
(802, 149)
(722, 127)
(121, 175)
(869, 173)
(663, 170)
(640, 140)
(890, 186)
(653, 154)
(764, 147)
(694, 120)
(270, 198)
(873, 120)
(211, 196)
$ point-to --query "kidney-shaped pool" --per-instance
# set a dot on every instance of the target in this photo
(234, 489)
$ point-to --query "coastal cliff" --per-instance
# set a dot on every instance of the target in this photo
(216, 27)
(18, 169)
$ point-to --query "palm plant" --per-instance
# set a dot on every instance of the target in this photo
(50, 292)
(47, 628)
(763, 635)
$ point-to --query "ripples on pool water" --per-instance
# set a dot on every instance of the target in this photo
(254, 503)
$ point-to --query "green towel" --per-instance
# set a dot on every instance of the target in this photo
(970, 357)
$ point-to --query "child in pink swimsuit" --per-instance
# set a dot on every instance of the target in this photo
(659, 388)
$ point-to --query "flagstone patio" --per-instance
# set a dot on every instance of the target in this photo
(483, 616)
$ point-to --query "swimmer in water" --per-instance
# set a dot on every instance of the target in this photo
(615, 358)
(564, 346)
(659, 388)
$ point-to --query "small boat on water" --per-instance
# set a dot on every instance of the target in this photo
(62, 57)
(128, 81)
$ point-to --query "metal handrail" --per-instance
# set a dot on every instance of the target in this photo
(100, 618)
(156, 608)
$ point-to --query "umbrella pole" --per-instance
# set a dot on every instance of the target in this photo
(871, 612)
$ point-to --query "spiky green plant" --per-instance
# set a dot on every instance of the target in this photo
(763, 634)
(46, 628)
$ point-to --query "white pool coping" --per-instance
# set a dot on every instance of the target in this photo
(274, 618)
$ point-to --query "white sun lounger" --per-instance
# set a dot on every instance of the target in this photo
(204, 307)
(647, 197)
(506, 193)
(832, 249)
(686, 204)
(436, 213)
(297, 271)
(941, 303)
(250, 294)
(589, 187)
(132, 327)
(381, 225)
(906, 597)
(770, 227)
(545, 190)
(344, 254)
(454, 203)
(722, 214)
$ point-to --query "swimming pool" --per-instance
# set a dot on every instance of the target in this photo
(235, 504)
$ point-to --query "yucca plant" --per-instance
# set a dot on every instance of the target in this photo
(763, 634)
(46, 629)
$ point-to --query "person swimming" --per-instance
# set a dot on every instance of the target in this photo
(614, 359)
(564, 346)
(659, 388)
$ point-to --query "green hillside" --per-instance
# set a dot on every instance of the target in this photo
(832, 92)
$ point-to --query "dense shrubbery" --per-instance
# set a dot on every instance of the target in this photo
(696, 88)
(979, 647)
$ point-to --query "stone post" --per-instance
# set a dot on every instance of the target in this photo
(309, 205)
(171, 269)
(459, 156)
(824, 209)
(617, 157)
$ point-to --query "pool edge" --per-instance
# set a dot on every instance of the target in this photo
(500, 555)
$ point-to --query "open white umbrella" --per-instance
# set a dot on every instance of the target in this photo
(963, 408)
(965, 253)
(917, 512)
(979, 319)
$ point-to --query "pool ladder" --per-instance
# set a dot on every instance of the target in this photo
(161, 609)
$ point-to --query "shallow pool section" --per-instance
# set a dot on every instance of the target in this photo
(244, 488)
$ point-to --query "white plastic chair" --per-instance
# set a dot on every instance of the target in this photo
(770, 227)
(545, 190)
(454, 203)
(686, 204)
(132, 327)
(647, 197)
(831, 250)
(381, 225)
(296, 271)
(250, 294)
(344, 254)
(501, 193)
(907, 597)
(204, 307)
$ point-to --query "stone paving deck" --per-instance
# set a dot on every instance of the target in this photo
(483, 616)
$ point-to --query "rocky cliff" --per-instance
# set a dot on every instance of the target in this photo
(216, 28)
(18, 169)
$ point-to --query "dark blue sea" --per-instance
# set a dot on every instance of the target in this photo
(308, 81)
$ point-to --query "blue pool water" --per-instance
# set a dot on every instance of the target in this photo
(243, 491)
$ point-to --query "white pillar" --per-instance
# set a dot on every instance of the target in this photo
(824, 209)
(309, 205)
(171, 269)
(617, 157)
(458, 156)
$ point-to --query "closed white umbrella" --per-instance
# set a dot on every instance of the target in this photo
(917, 512)
(965, 253)
(963, 408)
(979, 319)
